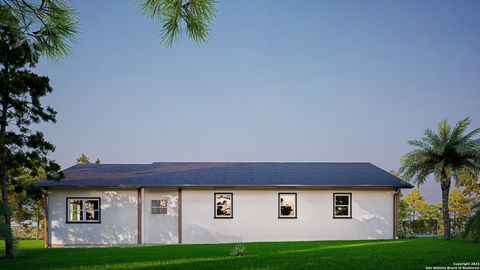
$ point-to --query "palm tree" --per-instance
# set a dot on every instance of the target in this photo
(443, 154)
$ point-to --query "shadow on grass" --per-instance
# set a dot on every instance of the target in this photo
(340, 247)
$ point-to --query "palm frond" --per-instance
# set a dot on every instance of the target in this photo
(443, 153)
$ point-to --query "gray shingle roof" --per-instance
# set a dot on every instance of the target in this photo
(227, 174)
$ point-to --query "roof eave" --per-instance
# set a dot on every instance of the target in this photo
(226, 186)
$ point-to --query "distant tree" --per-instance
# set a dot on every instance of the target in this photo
(459, 207)
(416, 203)
(403, 205)
(396, 173)
(430, 211)
(21, 149)
(472, 226)
(26, 200)
(471, 185)
(404, 209)
(443, 154)
(83, 159)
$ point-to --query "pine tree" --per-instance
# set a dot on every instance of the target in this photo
(21, 149)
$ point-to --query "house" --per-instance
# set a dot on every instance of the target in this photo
(120, 204)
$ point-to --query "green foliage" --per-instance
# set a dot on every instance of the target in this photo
(21, 90)
(472, 226)
(443, 154)
(459, 207)
(404, 209)
(48, 26)
(405, 234)
(27, 203)
(417, 216)
(5, 231)
(83, 159)
(195, 16)
(470, 183)
(430, 212)
(238, 250)
(416, 203)
(420, 226)
(22, 150)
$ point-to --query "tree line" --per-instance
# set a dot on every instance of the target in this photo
(427, 218)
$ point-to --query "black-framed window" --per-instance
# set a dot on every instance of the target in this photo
(159, 207)
(223, 203)
(83, 210)
(287, 205)
(342, 205)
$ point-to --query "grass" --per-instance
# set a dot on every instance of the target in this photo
(373, 254)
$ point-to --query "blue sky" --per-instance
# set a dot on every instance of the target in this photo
(278, 81)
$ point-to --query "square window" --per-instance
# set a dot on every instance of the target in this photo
(159, 207)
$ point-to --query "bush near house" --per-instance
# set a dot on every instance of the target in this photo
(27, 232)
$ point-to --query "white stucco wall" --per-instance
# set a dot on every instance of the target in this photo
(160, 228)
(255, 217)
(118, 218)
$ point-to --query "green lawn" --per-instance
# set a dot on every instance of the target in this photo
(380, 254)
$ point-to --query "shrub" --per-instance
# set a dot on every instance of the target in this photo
(238, 250)
(472, 227)
(420, 226)
(406, 235)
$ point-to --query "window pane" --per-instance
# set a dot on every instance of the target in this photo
(75, 216)
(163, 203)
(91, 215)
(341, 200)
(91, 205)
(341, 210)
(287, 205)
(75, 208)
(223, 204)
(75, 205)
(155, 203)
